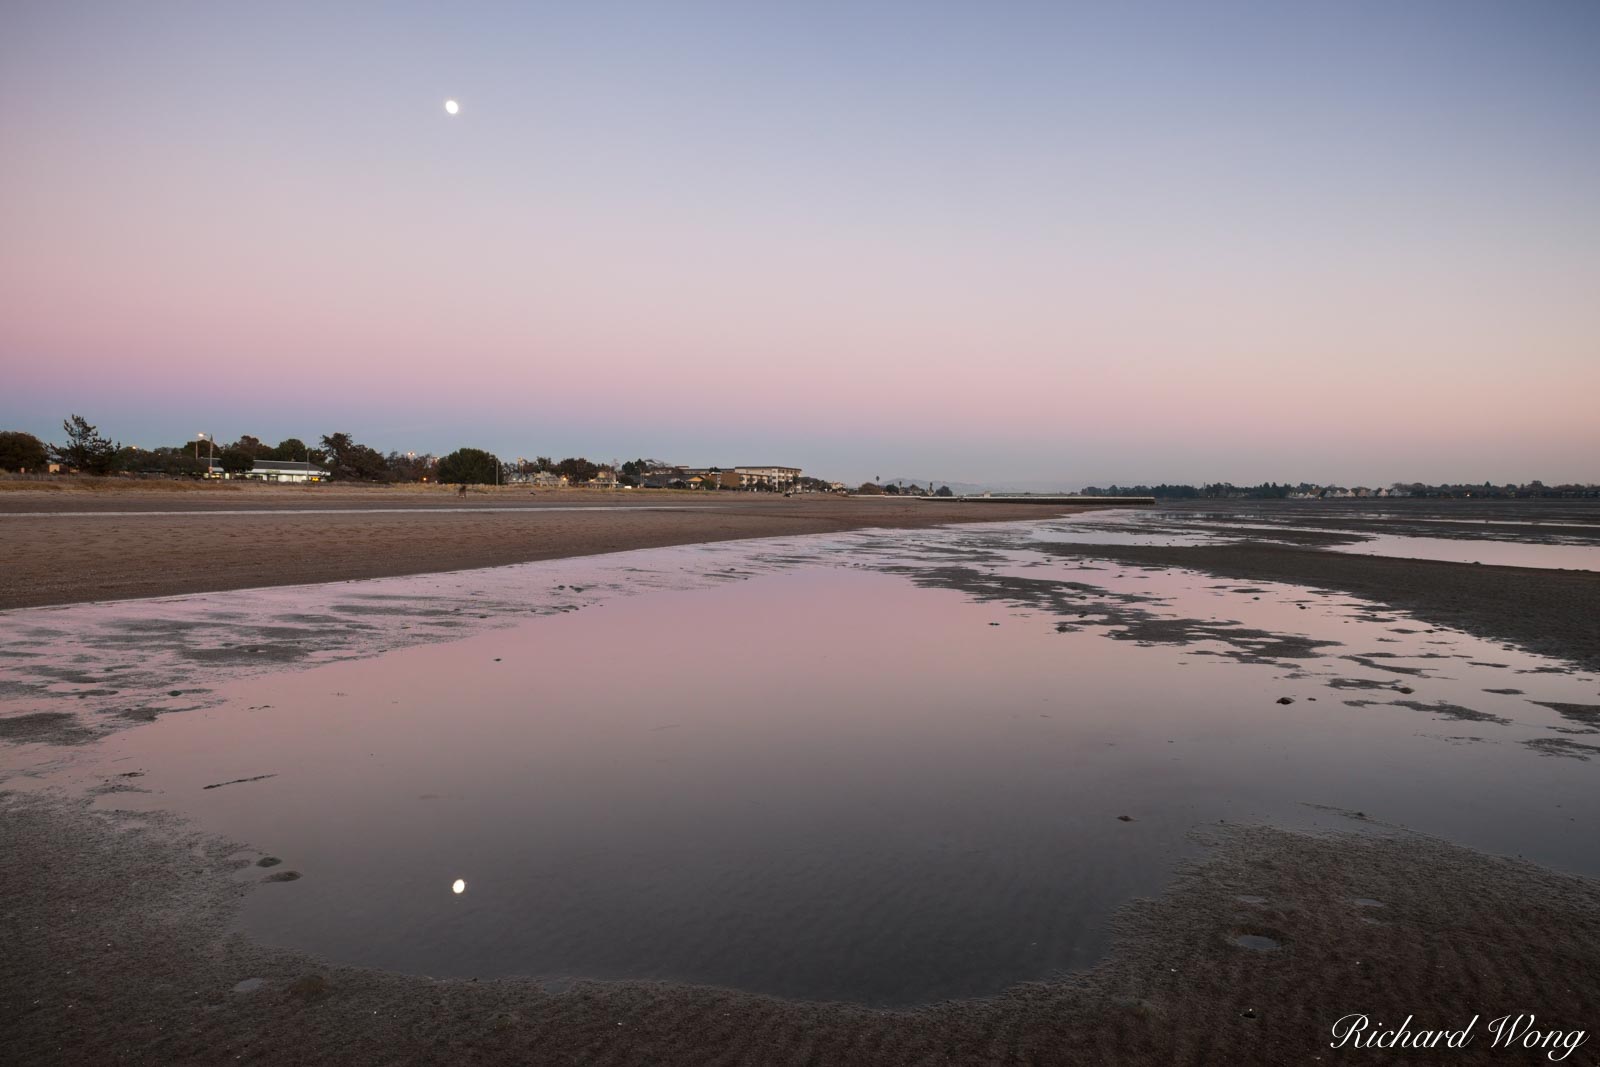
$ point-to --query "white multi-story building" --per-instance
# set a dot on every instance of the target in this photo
(765, 477)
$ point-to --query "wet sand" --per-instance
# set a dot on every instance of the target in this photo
(1551, 612)
(118, 952)
(116, 924)
(1572, 520)
(143, 543)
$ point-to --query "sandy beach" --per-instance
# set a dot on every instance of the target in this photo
(119, 923)
(72, 546)
(118, 951)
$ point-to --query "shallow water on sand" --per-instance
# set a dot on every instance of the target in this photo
(1526, 543)
(885, 768)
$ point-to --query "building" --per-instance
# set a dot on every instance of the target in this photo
(779, 478)
(274, 470)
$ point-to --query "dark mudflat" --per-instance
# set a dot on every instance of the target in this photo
(1550, 612)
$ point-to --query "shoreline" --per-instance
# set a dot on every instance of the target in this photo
(127, 544)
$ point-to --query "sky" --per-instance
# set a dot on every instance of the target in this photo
(1012, 243)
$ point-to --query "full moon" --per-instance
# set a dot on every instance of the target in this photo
(459, 886)
(451, 107)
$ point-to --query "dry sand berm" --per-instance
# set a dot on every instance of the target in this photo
(139, 543)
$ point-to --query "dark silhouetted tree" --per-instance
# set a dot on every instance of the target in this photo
(85, 448)
(292, 449)
(468, 466)
(409, 467)
(21, 451)
(577, 470)
(236, 459)
(347, 459)
(169, 460)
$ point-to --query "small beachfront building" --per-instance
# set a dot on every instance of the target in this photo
(274, 470)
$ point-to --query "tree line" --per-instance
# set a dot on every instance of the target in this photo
(1264, 491)
(86, 450)
(895, 489)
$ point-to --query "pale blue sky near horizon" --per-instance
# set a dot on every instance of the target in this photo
(1041, 244)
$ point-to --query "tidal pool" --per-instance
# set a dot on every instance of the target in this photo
(881, 768)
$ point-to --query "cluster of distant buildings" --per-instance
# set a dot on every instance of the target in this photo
(1530, 491)
(1339, 492)
(768, 478)
(1308, 491)
(771, 479)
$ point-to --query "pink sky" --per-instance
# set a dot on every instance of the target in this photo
(1227, 268)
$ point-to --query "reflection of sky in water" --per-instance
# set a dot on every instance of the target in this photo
(1489, 553)
(887, 768)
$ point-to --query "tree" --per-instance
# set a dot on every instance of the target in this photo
(22, 452)
(236, 459)
(409, 466)
(577, 470)
(85, 449)
(944, 490)
(468, 466)
(168, 460)
(351, 460)
(870, 489)
(292, 449)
